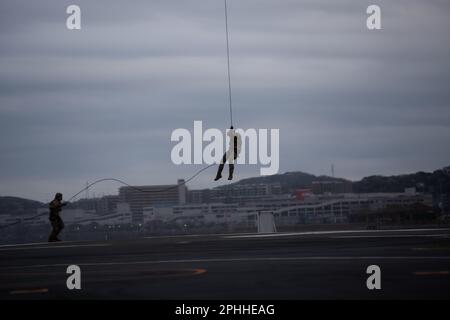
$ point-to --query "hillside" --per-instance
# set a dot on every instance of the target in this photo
(18, 206)
(431, 182)
(288, 180)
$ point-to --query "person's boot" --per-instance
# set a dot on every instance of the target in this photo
(219, 172)
(230, 174)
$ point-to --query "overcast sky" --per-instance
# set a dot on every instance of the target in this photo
(76, 106)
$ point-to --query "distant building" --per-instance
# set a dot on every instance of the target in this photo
(340, 208)
(446, 170)
(107, 204)
(199, 196)
(331, 186)
(100, 206)
(240, 193)
(287, 209)
(139, 197)
(194, 213)
(302, 194)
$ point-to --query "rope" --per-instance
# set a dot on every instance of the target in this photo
(228, 64)
(116, 180)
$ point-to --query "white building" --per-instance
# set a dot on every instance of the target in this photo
(288, 210)
(201, 213)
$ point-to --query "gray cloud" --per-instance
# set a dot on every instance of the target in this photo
(103, 101)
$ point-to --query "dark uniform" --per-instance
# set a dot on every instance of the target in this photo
(231, 155)
(57, 224)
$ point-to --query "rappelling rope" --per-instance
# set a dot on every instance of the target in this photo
(228, 65)
(137, 188)
(116, 180)
(172, 187)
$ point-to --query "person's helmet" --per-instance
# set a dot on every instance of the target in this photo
(58, 196)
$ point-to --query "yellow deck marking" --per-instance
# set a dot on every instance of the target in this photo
(432, 273)
(26, 291)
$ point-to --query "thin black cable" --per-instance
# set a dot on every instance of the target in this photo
(116, 180)
(228, 64)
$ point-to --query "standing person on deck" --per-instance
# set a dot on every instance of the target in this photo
(57, 224)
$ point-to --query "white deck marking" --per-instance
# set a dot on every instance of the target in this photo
(27, 291)
(22, 244)
(287, 234)
(393, 236)
(56, 246)
(432, 273)
(41, 243)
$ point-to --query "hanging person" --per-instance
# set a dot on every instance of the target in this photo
(57, 223)
(231, 154)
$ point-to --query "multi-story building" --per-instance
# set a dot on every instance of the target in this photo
(340, 208)
(288, 210)
(199, 196)
(167, 204)
(139, 197)
(198, 213)
(107, 204)
(102, 205)
(331, 186)
(240, 193)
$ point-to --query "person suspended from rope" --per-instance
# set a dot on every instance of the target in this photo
(231, 154)
(57, 223)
